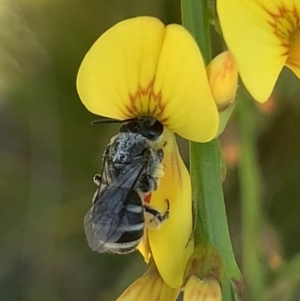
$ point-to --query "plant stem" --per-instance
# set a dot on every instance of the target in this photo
(194, 15)
(250, 180)
(205, 164)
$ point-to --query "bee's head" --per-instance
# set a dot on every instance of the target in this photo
(146, 126)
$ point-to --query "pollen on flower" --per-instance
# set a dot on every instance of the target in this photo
(285, 22)
(145, 102)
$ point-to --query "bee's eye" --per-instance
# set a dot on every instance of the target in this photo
(153, 131)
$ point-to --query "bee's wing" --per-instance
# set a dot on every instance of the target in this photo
(103, 221)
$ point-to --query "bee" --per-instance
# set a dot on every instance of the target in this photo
(131, 169)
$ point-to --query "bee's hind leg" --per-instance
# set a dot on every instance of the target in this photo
(154, 218)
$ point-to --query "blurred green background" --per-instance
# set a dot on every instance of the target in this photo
(49, 154)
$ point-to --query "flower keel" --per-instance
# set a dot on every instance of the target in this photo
(171, 245)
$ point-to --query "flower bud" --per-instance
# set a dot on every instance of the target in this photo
(208, 289)
(223, 76)
(223, 80)
(149, 287)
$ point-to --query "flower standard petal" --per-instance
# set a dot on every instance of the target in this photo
(258, 34)
(139, 67)
(170, 245)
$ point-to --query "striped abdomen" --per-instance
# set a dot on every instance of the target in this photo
(132, 225)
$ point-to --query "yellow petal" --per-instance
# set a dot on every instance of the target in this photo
(149, 287)
(205, 290)
(257, 34)
(293, 61)
(170, 244)
(189, 108)
(120, 64)
(139, 67)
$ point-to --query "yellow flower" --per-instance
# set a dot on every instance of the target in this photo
(140, 67)
(263, 36)
(208, 289)
(149, 287)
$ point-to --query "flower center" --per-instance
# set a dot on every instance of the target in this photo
(285, 23)
(145, 102)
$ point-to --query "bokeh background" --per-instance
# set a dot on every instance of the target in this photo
(49, 153)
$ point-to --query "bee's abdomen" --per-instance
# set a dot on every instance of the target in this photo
(132, 223)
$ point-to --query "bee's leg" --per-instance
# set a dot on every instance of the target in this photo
(148, 183)
(160, 154)
(159, 171)
(97, 179)
(154, 218)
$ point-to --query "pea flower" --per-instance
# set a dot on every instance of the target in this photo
(140, 67)
(263, 36)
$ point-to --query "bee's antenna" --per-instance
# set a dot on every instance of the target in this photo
(100, 121)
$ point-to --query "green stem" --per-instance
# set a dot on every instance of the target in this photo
(250, 180)
(212, 223)
(194, 17)
(205, 164)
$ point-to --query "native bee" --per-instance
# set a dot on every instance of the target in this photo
(131, 169)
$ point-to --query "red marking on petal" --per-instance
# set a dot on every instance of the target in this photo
(130, 110)
(127, 114)
(144, 102)
(279, 22)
